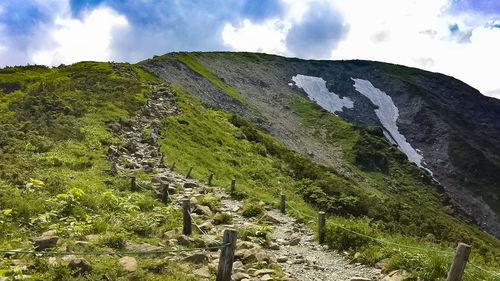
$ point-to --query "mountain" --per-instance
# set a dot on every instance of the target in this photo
(332, 136)
(442, 125)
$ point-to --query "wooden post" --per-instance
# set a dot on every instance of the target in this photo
(161, 160)
(189, 172)
(164, 194)
(186, 208)
(173, 167)
(321, 227)
(226, 258)
(132, 184)
(283, 198)
(459, 262)
(210, 178)
(233, 184)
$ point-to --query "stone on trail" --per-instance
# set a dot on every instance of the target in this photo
(197, 258)
(239, 276)
(396, 275)
(359, 279)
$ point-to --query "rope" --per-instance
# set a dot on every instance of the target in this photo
(374, 238)
(111, 253)
(201, 230)
(484, 270)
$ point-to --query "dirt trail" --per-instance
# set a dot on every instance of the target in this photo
(293, 247)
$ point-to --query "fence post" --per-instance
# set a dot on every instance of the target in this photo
(188, 175)
(164, 194)
(132, 184)
(233, 184)
(459, 262)
(186, 208)
(321, 227)
(210, 178)
(173, 167)
(162, 165)
(226, 258)
(283, 198)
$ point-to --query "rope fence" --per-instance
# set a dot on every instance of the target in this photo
(393, 243)
(154, 252)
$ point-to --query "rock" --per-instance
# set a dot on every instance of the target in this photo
(282, 259)
(128, 263)
(142, 247)
(359, 279)
(189, 185)
(173, 233)
(193, 201)
(240, 244)
(396, 275)
(382, 265)
(239, 276)
(263, 272)
(237, 265)
(202, 272)
(274, 246)
(266, 278)
(52, 261)
(92, 237)
(206, 226)
(81, 243)
(185, 240)
(44, 242)
(78, 265)
(197, 258)
(356, 255)
(294, 240)
(202, 210)
(270, 220)
(49, 233)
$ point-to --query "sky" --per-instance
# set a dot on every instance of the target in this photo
(460, 38)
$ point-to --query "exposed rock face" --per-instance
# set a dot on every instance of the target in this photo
(451, 125)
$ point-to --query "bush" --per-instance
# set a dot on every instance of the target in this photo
(224, 218)
(114, 240)
(252, 209)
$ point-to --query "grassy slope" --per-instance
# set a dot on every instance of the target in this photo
(52, 154)
(63, 141)
(399, 204)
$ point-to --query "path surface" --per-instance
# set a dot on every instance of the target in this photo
(293, 246)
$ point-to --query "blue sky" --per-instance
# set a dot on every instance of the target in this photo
(455, 37)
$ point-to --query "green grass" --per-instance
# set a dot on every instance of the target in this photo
(191, 61)
(53, 143)
(400, 205)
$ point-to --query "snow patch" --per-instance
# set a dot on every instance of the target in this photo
(315, 87)
(388, 114)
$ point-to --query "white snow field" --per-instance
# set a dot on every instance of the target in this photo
(388, 114)
(315, 87)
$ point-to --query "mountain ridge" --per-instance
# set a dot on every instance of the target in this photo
(421, 111)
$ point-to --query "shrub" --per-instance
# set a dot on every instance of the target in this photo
(252, 209)
(224, 218)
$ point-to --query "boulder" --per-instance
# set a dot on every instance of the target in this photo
(382, 265)
(197, 258)
(173, 233)
(44, 242)
(128, 263)
(185, 240)
(202, 210)
(78, 265)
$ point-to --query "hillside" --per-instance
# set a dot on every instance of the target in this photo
(442, 124)
(72, 136)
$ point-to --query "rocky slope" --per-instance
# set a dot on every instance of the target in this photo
(449, 125)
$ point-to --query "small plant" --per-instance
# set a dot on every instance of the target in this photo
(252, 208)
(213, 202)
(114, 240)
(224, 218)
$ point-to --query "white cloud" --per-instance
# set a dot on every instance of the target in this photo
(267, 37)
(70, 40)
(420, 37)
(494, 93)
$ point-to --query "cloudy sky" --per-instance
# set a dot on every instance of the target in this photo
(456, 37)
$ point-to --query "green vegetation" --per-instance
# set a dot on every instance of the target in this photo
(190, 60)
(54, 137)
(399, 204)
